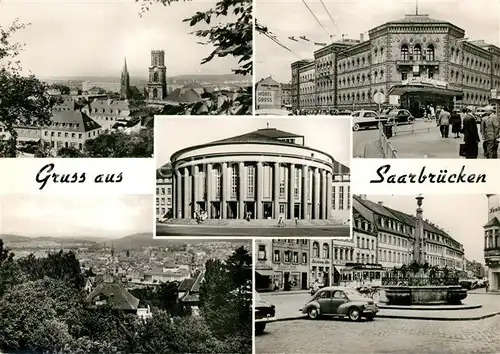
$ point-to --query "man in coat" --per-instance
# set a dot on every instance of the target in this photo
(444, 122)
(491, 131)
(471, 135)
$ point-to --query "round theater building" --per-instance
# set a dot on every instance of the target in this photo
(264, 174)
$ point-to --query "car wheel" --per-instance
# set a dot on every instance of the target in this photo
(354, 314)
(260, 327)
(355, 127)
(313, 313)
(369, 317)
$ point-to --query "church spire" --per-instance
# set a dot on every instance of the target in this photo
(124, 82)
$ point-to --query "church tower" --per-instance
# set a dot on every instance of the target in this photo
(157, 85)
(124, 82)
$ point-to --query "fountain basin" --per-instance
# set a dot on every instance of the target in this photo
(424, 295)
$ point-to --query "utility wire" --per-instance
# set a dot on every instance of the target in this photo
(316, 18)
(329, 15)
(276, 41)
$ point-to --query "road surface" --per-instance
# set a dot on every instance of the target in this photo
(326, 231)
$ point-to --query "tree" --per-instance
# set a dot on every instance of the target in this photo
(69, 152)
(163, 297)
(120, 144)
(233, 38)
(239, 265)
(65, 90)
(23, 100)
(10, 273)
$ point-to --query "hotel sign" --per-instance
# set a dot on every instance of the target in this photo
(426, 81)
(262, 265)
(287, 267)
(493, 206)
(320, 261)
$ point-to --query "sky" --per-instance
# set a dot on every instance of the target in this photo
(462, 216)
(479, 19)
(76, 216)
(92, 37)
(332, 136)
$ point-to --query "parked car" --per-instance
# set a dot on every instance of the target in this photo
(343, 113)
(273, 112)
(365, 119)
(264, 313)
(340, 302)
(399, 116)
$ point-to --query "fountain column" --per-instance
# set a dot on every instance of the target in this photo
(419, 233)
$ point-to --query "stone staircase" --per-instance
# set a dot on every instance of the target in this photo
(254, 223)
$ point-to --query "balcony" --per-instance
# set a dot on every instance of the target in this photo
(424, 63)
(492, 252)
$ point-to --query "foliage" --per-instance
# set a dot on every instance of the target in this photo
(23, 100)
(421, 275)
(70, 152)
(65, 90)
(63, 266)
(232, 38)
(120, 144)
(10, 273)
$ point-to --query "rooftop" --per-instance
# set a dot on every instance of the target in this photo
(183, 95)
(73, 121)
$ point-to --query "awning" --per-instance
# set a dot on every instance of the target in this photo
(428, 89)
(265, 272)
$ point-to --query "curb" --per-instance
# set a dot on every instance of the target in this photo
(436, 308)
(276, 293)
(406, 318)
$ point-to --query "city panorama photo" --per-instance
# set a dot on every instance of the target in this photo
(420, 79)
(81, 275)
(254, 177)
(422, 267)
(92, 86)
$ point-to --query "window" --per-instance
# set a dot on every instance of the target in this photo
(162, 191)
(251, 182)
(315, 250)
(335, 253)
(282, 181)
(217, 177)
(404, 76)
(296, 183)
(295, 257)
(341, 198)
(282, 208)
(276, 255)
(417, 53)
(348, 197)
(262, 252)
(304, 257)
(326, 249)
(234, 182)
(157, 201)
(287, 256)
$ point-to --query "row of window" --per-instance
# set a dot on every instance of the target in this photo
(393, 240)
(164, 201)
(416, 53)
(103, 110)
(164, 191)
(492, 239)
(360, 243)
(91, 134)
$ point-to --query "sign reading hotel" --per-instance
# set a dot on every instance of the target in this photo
(287, 267)
(425, 81)
(316, 261)
(493, 206)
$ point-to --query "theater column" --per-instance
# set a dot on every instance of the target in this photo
(329, 182)
(259, 190)
(209, 189)
(323, 194)
(276, 190)
(196, 189)
(187, 195)
(241, 190)
(178, 192)
(316, 194)
(224, 190)
(305, 188)
(291, 190)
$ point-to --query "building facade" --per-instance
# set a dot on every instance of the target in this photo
(492, 242)
(291, 263)
(423, 60)
(265, 174)
(395, 236)
(157, 84)
(164, 192)
(107, 112)
(268, 94)
(321, 262)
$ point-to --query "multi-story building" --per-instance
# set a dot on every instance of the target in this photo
(492, 242)
(264, 270)
(343, 254)
(420, 59)
(395, 237)
(107, 112)
(164, 191)
(267, 174)
(268, 94)
(291, 263)
(321, 262)
(286, 96)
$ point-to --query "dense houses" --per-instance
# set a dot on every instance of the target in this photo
(382, 239)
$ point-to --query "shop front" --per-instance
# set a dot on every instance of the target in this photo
(321, 271)
(416, 95)
(264, 279)
(290, 277)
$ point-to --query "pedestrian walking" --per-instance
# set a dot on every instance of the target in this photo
(490, 131)
(444, 123)
(471, 135)
(456, 123)
(432, 113)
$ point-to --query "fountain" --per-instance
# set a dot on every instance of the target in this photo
(419, 283)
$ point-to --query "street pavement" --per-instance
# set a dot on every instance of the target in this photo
(383, 335)
(319, 231)
(288, 305)
(421, 140)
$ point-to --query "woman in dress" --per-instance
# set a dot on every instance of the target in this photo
(456, 123)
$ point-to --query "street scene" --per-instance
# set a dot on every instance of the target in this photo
(253, 177)
(104, 285)
(399, 64)
(431, 278)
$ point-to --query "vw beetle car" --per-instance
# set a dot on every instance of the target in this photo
(340, 302)
(264, 313)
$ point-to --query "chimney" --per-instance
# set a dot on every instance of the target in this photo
(361, 37)
(381, 203)
(362, 196)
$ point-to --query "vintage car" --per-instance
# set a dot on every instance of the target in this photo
(365, 119)
(264, 313)
(399, 116)
(340, 302)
